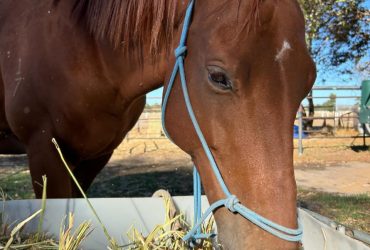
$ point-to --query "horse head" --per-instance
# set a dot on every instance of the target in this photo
(247, 69)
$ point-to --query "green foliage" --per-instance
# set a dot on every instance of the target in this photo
(338, 33)
(329, 104)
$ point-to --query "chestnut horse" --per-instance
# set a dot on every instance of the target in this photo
(78, 70)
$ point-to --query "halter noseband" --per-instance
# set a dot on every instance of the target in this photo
(231, 202)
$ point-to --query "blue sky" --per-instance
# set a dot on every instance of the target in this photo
(325, 77)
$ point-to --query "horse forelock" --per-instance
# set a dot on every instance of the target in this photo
(130, 24)
(251, 19)
(246, 14)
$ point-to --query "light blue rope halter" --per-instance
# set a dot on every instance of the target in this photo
(231, 202)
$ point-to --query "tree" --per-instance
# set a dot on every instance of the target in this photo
(338, 36)
(330, 103)
(337, 32)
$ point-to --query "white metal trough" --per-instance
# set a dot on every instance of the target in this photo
(119, 214)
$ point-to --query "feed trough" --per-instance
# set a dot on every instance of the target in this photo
(120, 214)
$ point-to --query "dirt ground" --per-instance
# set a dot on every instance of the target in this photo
(334, 165)
(140, 167)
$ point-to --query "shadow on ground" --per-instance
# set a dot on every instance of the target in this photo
(358, 149)
(116, 183)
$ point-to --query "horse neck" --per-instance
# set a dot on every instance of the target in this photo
(131, 78)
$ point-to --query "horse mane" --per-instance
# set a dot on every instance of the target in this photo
(129, 24)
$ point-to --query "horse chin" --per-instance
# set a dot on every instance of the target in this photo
(233, 235)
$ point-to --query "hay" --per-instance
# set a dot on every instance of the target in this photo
(69, 240)
(169, 234)
(15, 239)
(165, 236)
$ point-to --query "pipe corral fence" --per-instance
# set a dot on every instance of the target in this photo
(355, 116)
(328, 119)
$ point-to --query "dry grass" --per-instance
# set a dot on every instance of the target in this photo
(169, 234)
(69, 240)
(14, 239)
(70, 237)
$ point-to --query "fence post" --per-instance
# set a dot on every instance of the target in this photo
(300, 131)
(335, 116)
(364, 134)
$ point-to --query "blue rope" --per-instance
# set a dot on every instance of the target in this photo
(197, 198)
(231, 202)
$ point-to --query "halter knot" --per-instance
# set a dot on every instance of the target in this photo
(230, 203)
(180, 51)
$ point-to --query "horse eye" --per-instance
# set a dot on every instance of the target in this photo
(220, 80)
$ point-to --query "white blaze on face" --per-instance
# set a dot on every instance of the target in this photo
(279, 58)
(283, 51)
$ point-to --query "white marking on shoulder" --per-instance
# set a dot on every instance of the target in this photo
(280, 55)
